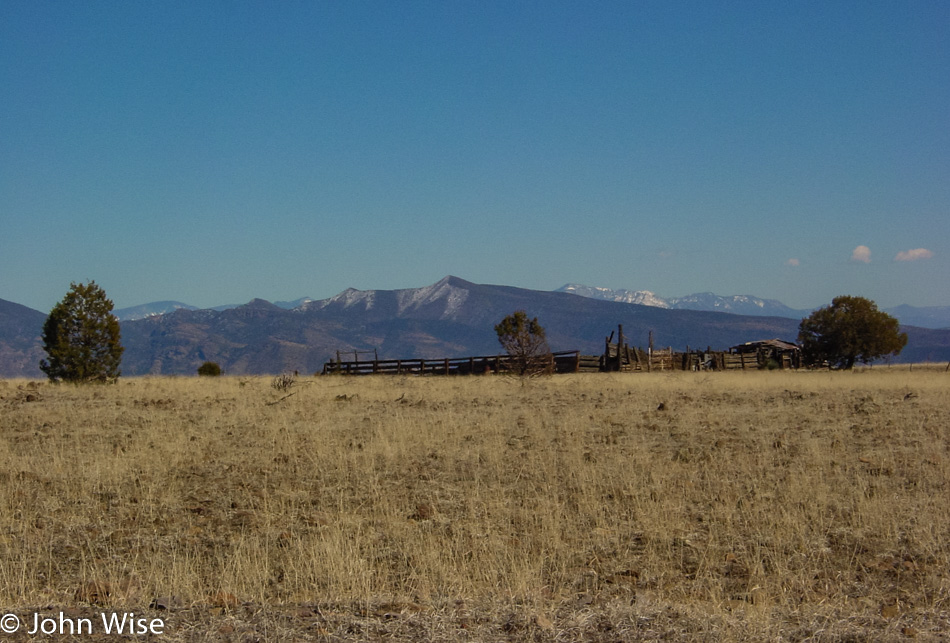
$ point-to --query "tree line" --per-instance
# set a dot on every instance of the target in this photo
(82, 338)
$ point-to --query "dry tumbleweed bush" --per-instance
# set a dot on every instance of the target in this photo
(284, 381)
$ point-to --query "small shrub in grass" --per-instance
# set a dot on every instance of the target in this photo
(524, 341)
(209, 369)
(284, 381)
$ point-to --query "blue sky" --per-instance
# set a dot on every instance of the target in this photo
(212, 152)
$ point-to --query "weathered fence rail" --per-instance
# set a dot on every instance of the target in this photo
(618, 356)
(563, 362)
(665, 359)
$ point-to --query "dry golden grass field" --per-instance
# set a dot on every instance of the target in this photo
(614, 507)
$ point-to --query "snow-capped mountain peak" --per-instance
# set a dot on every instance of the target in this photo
(352, 297)
(736, 304)
(449, 290)
(153, 309)
(643, 297)
(443, 289)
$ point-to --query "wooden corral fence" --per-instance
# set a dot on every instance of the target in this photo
(620, 356)
(563, 362)
(617, 356)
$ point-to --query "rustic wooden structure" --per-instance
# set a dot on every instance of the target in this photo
(620, 356)
(770, 352)
(562, 362)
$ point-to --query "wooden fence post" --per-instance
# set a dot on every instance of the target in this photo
(650, 354)
(619, 347)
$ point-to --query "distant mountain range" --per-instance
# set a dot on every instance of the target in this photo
(20, 347)
(150, 310)
(924, 317)
(736, 304)
(927, 317)
(451, 318)
(157, 308)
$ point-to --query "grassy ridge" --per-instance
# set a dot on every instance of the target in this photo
(602, 507)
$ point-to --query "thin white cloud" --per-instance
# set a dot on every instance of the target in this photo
(861, 254)
(793, 262)
(916, 254)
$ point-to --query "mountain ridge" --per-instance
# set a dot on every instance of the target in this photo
(934, 317)
(20, 347)
(450, 318)
(737, 304)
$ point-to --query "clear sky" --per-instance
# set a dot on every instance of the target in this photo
(213, 152)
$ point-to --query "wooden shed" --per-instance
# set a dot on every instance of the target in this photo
(784, 354)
